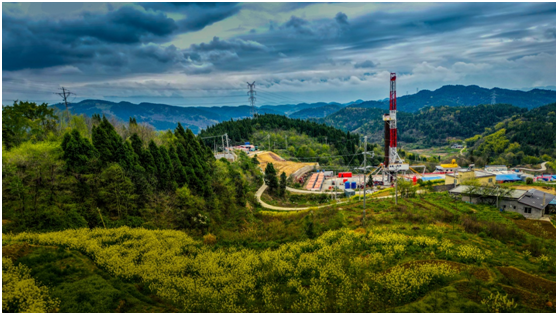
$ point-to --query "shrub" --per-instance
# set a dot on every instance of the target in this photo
(209, 239)
(503, 232)
(471, 225)
(21, 293)
(496, 303)
(528, 180)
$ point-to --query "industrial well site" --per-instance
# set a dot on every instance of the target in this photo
(279, 157)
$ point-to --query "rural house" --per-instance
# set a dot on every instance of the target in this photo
(532, 204)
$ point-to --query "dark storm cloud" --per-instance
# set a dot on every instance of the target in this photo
(109, 39)
(45, 43)
(199, 15)
(308, 39)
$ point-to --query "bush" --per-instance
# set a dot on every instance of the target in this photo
(503, 232)
(471, 225)
(209, 239)
(529, 181)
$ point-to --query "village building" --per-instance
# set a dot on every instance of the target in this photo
(532, 204)
(462, 175)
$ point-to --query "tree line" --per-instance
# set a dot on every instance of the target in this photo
(66, 171)
(241, 130)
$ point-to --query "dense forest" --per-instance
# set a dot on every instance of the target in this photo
(526, 138)
(298, 131)
(431, 126)
(64, 171)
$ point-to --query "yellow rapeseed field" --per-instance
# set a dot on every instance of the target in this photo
(308, 276)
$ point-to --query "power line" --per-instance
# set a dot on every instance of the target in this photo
(65, 93)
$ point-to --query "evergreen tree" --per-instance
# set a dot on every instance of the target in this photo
(137, 144)
(102, 144)
(168, 182)
(179, 172)
(283, 184)
(78, 151)
(158, 163)
(271, 178)
(117, 190)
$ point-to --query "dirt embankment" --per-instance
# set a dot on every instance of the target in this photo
(280, 164)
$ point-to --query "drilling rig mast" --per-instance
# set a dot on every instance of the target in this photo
(392, 160)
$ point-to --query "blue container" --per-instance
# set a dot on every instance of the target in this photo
(353, 185)
(347, 185)
(246, 143)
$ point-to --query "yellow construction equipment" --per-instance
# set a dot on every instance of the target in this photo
(452, 165)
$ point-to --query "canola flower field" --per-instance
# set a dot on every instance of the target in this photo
(389, 266)
(340, 271)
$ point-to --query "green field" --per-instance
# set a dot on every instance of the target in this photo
(427, 254)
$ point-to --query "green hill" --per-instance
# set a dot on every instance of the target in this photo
(431, 126)
(526, 138)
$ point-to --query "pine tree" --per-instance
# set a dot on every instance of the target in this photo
(168, 182)
(159, 164)
(102, 144)
(78, 151)
(137, 144)
(179, 172)
(271, 178)
(283, 184)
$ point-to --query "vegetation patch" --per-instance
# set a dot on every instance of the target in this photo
(543, 229)
(530, 282)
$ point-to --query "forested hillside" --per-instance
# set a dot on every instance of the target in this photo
(326, 141)
(62, 171)
(472, 95)
(431, 126)
(315, 112)
(526, 138)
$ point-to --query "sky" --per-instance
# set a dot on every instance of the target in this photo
(203, 54)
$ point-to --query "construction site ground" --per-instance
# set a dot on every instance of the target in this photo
(280, 165)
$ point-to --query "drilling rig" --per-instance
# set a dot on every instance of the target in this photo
(392, 162)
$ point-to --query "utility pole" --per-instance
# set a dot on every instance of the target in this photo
(227, 137)
(396, 188)
(286, 143)
(252, 98)
(269, 141)
(65, 93)
(364, 202)
(223, 141)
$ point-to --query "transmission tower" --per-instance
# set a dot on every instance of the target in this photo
(493, 97)
(64, 94)
(252, 98)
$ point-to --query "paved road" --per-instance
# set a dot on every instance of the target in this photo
(268, 206)
(300, 191)
(461, 152)
(542, 169)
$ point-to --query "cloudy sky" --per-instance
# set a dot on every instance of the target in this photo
(203, 54)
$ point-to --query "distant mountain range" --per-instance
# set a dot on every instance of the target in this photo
(472, 95)
(164, 117)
